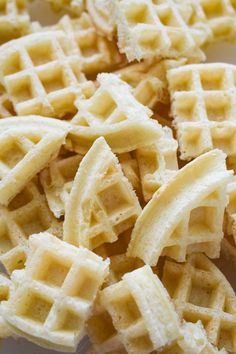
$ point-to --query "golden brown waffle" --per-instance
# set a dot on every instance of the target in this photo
(14, 19)
(114, 113)
(42, 74)
(57, 180)
(201, 292)
(157, 163)
(100, 13)
(154, 29)
(6, 288)
(204, 108)
(141, 311)
(74, 7)
(54, 293)
(27, 144)
(102, 203)
(28, 213)
(186, 214)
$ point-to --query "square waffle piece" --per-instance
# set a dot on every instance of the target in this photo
(27, 144)
(141, 311)
(114, 113)
(27, 213)
(154, 29)
(204, 108)
(14, 19)
(54, 293)
(186, 214)
(74, 7)
(201, 292)
(42, 75)
(102, 203)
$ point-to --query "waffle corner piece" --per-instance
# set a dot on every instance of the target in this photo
(186, 214)
(54, 293)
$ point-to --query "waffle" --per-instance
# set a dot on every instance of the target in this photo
(42, 74)
(114, 113)
(26, 145)
(228, 249)
(74, 7)
(141, 311)
(204, 108)
(186, 214)
(6, 288)
(6, 107)
(54, 293)
(154, 29)
(96, 53)
(102, 203)
(100, 13)
(28, 213)
(231, 209)
(201, 292)
(57, 180)
(157, 163)
(14, 19)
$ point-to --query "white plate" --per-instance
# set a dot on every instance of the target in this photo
(40, 11)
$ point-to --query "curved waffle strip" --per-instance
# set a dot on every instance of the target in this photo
(204, 107)
(186, 214)
(201, 292)
(27, 144)
(141, 311)
(154, 29)
(112, 112)
(54, 293)
(27, 213)
(42, 74)
(74, 7)
(102, 203)
(100, 13)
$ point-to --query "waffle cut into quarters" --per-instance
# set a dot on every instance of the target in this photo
(54, 293)
(204, 108)
(42, 75)
(201, 292)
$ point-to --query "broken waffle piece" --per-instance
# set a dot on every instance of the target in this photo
(27, 144)
(204, 107)
(186, 214)
(114, 113)
(201, 292)
(102, 203)
(100, 12)
(6, 288)
(141, 311)
(54, 293)
(42, 74)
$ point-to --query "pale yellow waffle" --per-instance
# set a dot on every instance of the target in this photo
(141, 311)
(74, 7)
(27, 213)
(57, 180)
(201, 292)
(6, 107)
(14, 19)
(114, 113)
(54, 293)
(42, 74)
(102, 203)
(204, 107)
(154, 29)
(186, 214)
(157, 163)
(6, 288)
(231, 209)
(100, 13)
(27, 144)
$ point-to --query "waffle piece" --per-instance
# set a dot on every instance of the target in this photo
(204, 107)
(6, 107)
(201, 292)
(141, 311)
(27, 144)
(6, 288)
(231, 209)
(186, 214)
(157, 163)
(154, 29)
(74, 7)
(54, 293)
(27, 213)
(14, 19)
(114, 113)
(100, 13)
(96, 53)
(102, 203)
(57, 180)
(42, 74)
